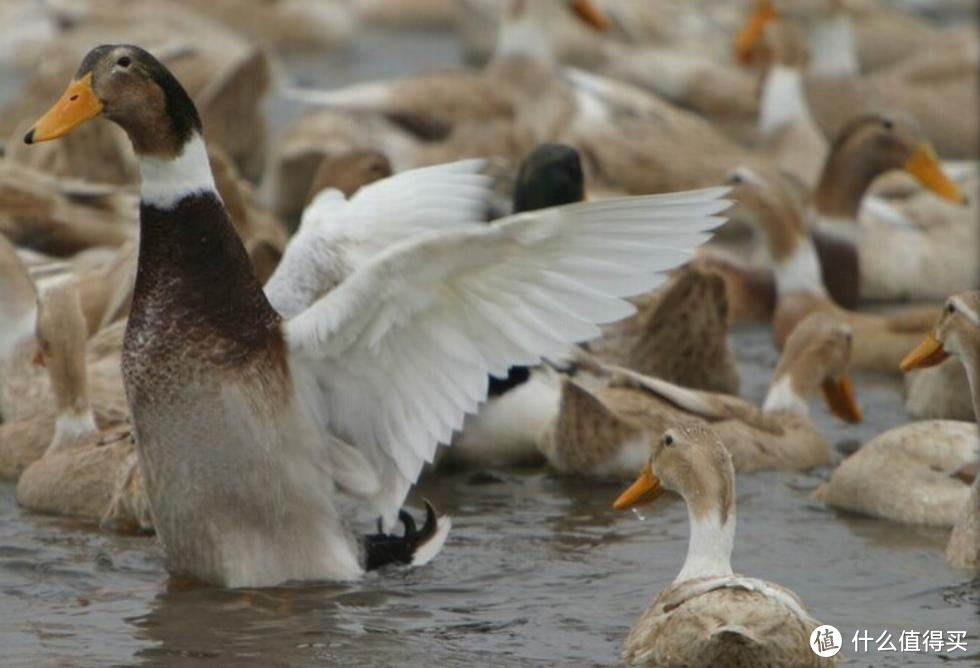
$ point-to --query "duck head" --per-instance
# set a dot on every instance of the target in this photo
(130, 87)
(551, 175)
(869, 146)
(816, 356)
(692, 461)
(957, 333)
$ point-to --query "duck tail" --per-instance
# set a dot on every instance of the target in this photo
(415, 547)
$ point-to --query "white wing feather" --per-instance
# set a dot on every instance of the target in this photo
(337, 235)
(402, 348)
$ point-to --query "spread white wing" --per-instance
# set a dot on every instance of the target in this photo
(402, 348)
(337, 235)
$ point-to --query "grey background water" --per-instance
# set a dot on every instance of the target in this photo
(537, 571)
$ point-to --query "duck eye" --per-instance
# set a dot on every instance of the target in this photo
(668, 440)
(888, 124)
(124, 61)
(950, 308)
(735, 179)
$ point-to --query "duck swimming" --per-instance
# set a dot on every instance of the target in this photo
(249, 426)
(709, 615)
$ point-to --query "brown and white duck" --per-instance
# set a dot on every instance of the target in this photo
(600, 432)
(910, 473)
(878, 259)
(772, 207)
(710, 616)
(353, 394)
(79, 471)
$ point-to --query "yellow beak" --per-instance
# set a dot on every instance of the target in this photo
(841, 401)
(751, 34)
(925, 166)
(928, 353)
(590, 14)
(646, 489)
(78, 104)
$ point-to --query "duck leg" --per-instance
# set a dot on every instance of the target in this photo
(382, 549)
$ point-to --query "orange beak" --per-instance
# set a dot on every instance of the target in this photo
(841, 401)
(925, 166)
(646, 489)
(591, 15)
(751, 34)
(928, 353)
(78, 104)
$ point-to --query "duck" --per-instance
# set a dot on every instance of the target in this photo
(678, 334)
(771, 206)
(787, 134)
(62, 410)
(709, 615)
(957, 334)
(922, 460)
(352, 395)
(599, 432)
(879, 260)
(837, 92)
(227, 75)
(78, 471)
(687, 316)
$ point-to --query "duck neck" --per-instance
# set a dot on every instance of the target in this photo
(783, 99)
(525, 32)
(784, 397)
(165, 181)
(709, 549)
(834, 48)
(844, 181)
(798, 270)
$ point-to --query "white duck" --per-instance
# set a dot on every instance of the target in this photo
(709, 615)
(249, 426)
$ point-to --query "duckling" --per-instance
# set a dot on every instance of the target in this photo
(837, 92)
(907, 474)
(352, 394)
(63, 412)
(879, 260)
(78, 471)
(600, 433)
(768, 204)
(709, 615)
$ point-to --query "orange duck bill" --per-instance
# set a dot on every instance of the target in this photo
(646, 489)
(750, 36)
(924, 165)
(587, 11)
(928, 353)
(841, 400)
(78, 104)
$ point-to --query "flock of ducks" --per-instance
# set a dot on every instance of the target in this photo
(159, 327)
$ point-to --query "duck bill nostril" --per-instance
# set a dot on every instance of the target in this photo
(78, 104)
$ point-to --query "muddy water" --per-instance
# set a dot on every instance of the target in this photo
(537, 571)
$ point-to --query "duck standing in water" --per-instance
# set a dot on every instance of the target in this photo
(249, 426)
(709, 616)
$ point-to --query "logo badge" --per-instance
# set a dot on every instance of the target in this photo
(825, 641)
